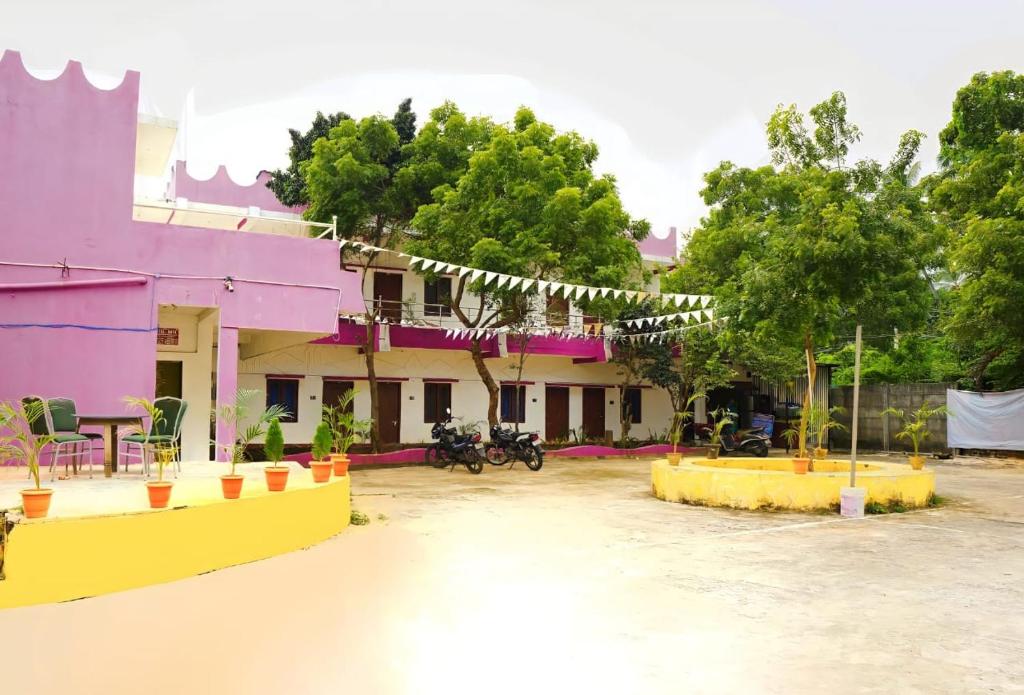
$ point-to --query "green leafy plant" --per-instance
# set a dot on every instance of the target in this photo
(345, 429)
(821, 421)
(915, 425)
(17, 441)
(722, 420)
(792, 436)
(273, 446)
(680, 419)
(233, 415)
(161, 452)
(322, 441)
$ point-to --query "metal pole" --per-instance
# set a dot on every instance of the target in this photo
(856, 412)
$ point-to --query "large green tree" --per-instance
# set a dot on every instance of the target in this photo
(799, 252)
(979, 195)
(373, 176)
(530, 205)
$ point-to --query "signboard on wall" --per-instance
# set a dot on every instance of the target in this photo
(166, 336)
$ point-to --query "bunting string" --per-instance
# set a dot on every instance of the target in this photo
(549, 287)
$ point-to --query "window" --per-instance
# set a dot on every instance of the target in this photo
(513, 403)
(436, 398)
(333, 391)
(284, 392)
(631, 399)
(436, 297)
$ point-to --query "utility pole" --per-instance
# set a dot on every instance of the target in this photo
(856, 409)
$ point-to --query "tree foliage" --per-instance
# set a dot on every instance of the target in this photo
(796, 253)
(288, 184)
(979, 196)
(531, 205)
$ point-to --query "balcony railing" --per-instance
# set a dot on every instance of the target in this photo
(208, 216)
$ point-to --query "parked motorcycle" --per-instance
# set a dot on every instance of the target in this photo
(507, 446)
(753, 441)
(452, 448)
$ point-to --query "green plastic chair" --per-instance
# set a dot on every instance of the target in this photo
(62, 419)
(165, 433)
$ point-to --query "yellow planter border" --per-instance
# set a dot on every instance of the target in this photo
(728, 483)
(61, 559)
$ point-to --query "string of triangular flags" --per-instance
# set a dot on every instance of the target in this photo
(662, 336)
(550, 287)
(686, 316)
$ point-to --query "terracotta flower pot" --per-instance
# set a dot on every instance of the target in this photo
(231, 485)
(673, 458)
(340, 462)
(36, 503)
(800, 466)
(321, 470)
(820, 454)
(917, 462)
(712, 452)
(277, 477)
(159, 493)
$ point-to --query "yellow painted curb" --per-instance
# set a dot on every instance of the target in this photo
(60, 559)
(770, 483)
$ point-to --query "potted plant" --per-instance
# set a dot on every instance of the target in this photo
(915, 428)
(234, 416)
(277, 475)
(722, 420)
(18, 442)
(801, 463)
(679, 421)
(159, 490)
(321, 463)
(821, 422)
(345, 429)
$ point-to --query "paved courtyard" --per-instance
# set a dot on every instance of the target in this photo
(573, 579)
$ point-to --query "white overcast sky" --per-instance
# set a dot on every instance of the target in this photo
(666, 89)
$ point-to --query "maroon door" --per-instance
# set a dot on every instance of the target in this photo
(387, 295)
(333, 391)
(593, 413)
(389, 404)
(556, 412)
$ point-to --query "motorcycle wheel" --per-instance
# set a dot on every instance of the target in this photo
(495, 456)
(534, 461)
(761, 451)
(436, 456)
(474, 464)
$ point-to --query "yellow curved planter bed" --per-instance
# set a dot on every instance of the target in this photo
(64, 558)
(770, 483)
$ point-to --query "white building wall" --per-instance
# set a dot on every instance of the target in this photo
(195, 352)
(469, 396)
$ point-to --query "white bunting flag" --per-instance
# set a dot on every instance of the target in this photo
(426, 265)
(542, 285)
(464, 271)
(477, 274)
(489, 278)
(527, 284)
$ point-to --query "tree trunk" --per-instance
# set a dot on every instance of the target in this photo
(369, 351)
(805, 412)
(493, 390)
(982, 367)
(625, 414)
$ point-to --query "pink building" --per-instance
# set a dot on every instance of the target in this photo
(218, 287)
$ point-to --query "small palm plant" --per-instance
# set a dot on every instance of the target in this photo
(722, 420)
(915, 428)
(234, 416)
(156, 418)
(680, 419)
(345, 429)
(18, 442)
(163, 453)
(821, 423)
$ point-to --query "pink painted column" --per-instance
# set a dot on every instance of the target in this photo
(227, 385)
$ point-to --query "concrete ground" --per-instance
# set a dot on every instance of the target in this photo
(572, 579)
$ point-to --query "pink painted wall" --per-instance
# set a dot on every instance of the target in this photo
(221, 189)
(654, 246)
(67, 150)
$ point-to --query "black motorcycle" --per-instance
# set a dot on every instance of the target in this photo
(753, 441)
(452, 448)
(509, 446)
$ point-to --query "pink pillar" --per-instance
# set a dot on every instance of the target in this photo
(227, 385)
